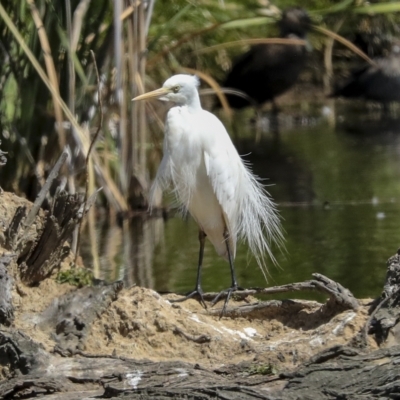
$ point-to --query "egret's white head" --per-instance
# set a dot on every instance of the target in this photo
(180, 89)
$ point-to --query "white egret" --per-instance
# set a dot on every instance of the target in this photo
(210, 180)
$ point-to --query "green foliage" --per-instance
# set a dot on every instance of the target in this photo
(26, 107)
(179, 32)
(181, 28)
(76, 277)
(197, 25)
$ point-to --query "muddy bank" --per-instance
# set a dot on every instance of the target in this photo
(106, 341)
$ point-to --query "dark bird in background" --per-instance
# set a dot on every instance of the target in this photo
(378, 82)
(373, 44)
(374, 34)
(268, 70)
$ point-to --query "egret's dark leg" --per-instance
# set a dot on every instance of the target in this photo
(198, 291)
(234, 285)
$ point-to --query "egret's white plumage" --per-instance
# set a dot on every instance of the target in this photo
(208, 177)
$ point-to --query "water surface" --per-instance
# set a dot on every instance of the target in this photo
(337, 189)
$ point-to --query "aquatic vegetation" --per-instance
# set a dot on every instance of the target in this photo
(49, 90)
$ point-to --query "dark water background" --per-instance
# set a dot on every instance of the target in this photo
(337, 185)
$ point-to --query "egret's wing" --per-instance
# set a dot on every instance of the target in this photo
(221, 163)
(224, 179)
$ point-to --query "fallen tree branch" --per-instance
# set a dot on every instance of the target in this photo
(265, 306)
(339, 295)
(196, 339)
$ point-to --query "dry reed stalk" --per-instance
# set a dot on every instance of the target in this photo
(91, 216)
(119, 94)
(136, 161)
(90, 178)
(149, 14)
(141, 31)
(129, 10)
(132, 62)
(71, 105)
(89, 183)
(112, 192)
(71, 66)
(79, 14)
(328, 56)
(51, 70)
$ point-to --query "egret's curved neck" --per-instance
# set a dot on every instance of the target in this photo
(194, 103)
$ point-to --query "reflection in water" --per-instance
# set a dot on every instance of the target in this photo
(339, 196)
(127, 252)
(377, 121)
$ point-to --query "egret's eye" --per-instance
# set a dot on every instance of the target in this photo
(176, 88)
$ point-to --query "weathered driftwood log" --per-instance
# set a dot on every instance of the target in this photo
(39, 251)
(69, 373)
(12, 232)
(6, 285)
(19, 230)
(338, 373)
(20, 354)
(39, 261)
(386, 310)
(42, 250)
(345, 373)
(69, 317)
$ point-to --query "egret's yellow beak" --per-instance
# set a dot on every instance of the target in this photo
(155, 93)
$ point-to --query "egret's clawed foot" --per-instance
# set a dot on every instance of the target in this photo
(196, 293)
(227, 293)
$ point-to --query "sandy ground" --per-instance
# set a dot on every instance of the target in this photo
(142, 324)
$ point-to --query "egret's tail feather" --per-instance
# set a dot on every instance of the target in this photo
(260, 223)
